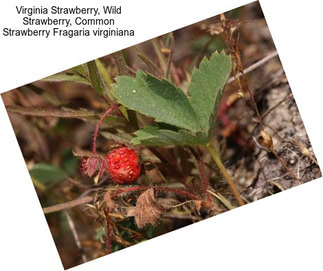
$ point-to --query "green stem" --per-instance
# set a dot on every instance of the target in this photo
(95, 78)
(160, 56)
(104, 73)
(225, 173)
(121, 63)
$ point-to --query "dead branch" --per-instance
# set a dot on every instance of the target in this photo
(254, 66)
(67, 205)
(51, 112)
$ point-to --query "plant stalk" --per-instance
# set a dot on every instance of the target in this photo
(225, 173)
(97, 128)
(67, 205)
(95, 78)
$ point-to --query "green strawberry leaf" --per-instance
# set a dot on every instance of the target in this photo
(156, 98)
(153, 136)
(47, 175)
(206, 88)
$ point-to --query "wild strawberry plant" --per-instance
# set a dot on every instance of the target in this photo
(191, 118)
(176, 119)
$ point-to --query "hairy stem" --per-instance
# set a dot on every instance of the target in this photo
(158, 188)
(104, 73)
(204, 180)
(177, 191)
(97, 128)
(95, 78)
(225, 173)
(121, 63)
(51, 112)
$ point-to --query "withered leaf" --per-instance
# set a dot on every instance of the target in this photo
(198, 205)
(90, 165)
(109, 201)
(147, 211)
(266, 140)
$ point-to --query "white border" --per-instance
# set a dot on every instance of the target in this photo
(282, 232)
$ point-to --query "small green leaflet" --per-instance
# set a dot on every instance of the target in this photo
(156, 98)
(206, 88)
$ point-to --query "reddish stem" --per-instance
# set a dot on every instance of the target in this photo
(177, 191)
(204, 180)
(97, 128)
(131, 189)
(158, 188)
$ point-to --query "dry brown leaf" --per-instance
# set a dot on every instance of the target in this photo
(131, 211)
(109, 201)
(147, 211)
(198, 205)
(265, 140)
(216, 29)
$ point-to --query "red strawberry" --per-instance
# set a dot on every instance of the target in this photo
(123, 165)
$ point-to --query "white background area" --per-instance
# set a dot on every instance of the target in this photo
(282, 232)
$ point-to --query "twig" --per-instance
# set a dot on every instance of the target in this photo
(285, 165)
(276, 105)
(67, 205)
(254, 66)
(75, 235)
(264, 115)
(50, 112)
